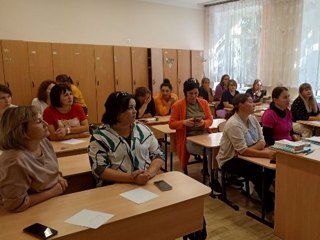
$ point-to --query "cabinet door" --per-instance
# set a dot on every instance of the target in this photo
(170, 67)
(77, 61)
(184, 69)
(122, 69)
(16, 71)
(197, 68)
(1, 65)
(40, 64)
(104, 76)
(156, 69)
(139, 67)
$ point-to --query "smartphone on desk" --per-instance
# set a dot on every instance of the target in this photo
(163, 185)
(40, 231)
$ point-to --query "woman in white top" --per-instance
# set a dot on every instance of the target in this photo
(43, 96)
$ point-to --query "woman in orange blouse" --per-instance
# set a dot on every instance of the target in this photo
(165, 98)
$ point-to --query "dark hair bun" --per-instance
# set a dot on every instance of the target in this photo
(166, 80)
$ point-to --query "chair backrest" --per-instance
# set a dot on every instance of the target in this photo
(221, 126)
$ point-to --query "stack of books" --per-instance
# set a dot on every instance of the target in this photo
(289, 146)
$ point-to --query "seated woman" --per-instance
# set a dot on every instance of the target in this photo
(43, 96)
(256, 92)
(221, 87)
(242, 135)
(165, 98)
(189, 116)
(65, 119)
(226, 99)
(28, 165)
(205, 91)
(144, 103)
(277, 120)
(122, 150)
(77, 94)
(5, 99)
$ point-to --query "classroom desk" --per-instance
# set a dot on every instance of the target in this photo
(64, 149)
(265, 164)
(297, 196)
(77, 171)
(171, 215)
(155, 120)
(310, 123)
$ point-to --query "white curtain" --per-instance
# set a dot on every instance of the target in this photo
(277, 41)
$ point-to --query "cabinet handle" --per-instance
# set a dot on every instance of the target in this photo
(98, 83)
(33, 84)
(153, 82)
(134, 82)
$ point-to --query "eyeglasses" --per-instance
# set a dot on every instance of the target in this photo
(121, 94)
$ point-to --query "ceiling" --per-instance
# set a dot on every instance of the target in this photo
(184, 3)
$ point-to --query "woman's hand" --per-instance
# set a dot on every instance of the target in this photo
(56, 190)
(270, 153)
(189, 122)
(63, 182)
(61, 132)
(198, 122)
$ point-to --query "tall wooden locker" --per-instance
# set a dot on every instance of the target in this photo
(123, 69)
(157, 69)
(170, 67)
(40, 64)
(139, 58)
(77, 61)
(104, 71)
(197, 61)
(16, 71)
(184, 69)
(1, 65)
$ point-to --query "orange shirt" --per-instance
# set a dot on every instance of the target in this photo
(162, 106)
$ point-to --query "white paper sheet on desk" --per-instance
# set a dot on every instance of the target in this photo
(89, 218)
(73, 141)
(139, 195)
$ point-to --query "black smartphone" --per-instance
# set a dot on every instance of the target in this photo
(40, 231)
(162, 185)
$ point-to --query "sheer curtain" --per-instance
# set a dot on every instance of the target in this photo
(277, 41)
(233, 40)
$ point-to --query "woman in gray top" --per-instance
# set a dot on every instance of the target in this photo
(242, 135)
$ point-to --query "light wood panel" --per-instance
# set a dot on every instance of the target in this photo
(104, 70)
(184, 69)
(77, 61)
(170, 67)
(197, 68)
(40, 64)
(157, 69)
(16, 71)
(122, 69)
(1, 65)
(139, 67)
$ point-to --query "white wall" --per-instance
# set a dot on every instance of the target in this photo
(107, 22)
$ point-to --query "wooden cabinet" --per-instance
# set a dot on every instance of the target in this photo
(139, 58)
(184, 70)
(197, 68)
(16, 71)
(156, 69)
(104, 76)
(77, 61)
(40, 64)
(170, 66)
(1, 65)
(122, 69)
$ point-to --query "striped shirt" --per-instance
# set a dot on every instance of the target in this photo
(108, 149)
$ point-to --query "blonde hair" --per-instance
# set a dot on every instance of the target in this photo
(13, 126)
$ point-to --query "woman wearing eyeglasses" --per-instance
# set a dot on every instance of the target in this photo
(29, 172)
(123, 150)
(65, 119)
(256, 92)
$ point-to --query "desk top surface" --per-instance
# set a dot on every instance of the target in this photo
(74, 164)
(310, 123)
(211, 140)
(155, 120)
(105, 199)
(60, 146)
(264, 162)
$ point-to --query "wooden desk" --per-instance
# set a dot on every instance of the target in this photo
(63, 149)
(297, 196)
(310, 123)
(171, 215)
(77, 171)
(155, 120)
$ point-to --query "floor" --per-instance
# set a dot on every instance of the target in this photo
(225, 223)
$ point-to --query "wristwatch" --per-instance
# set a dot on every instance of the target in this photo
(68, 130)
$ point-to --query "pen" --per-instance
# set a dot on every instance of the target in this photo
(308, 152)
